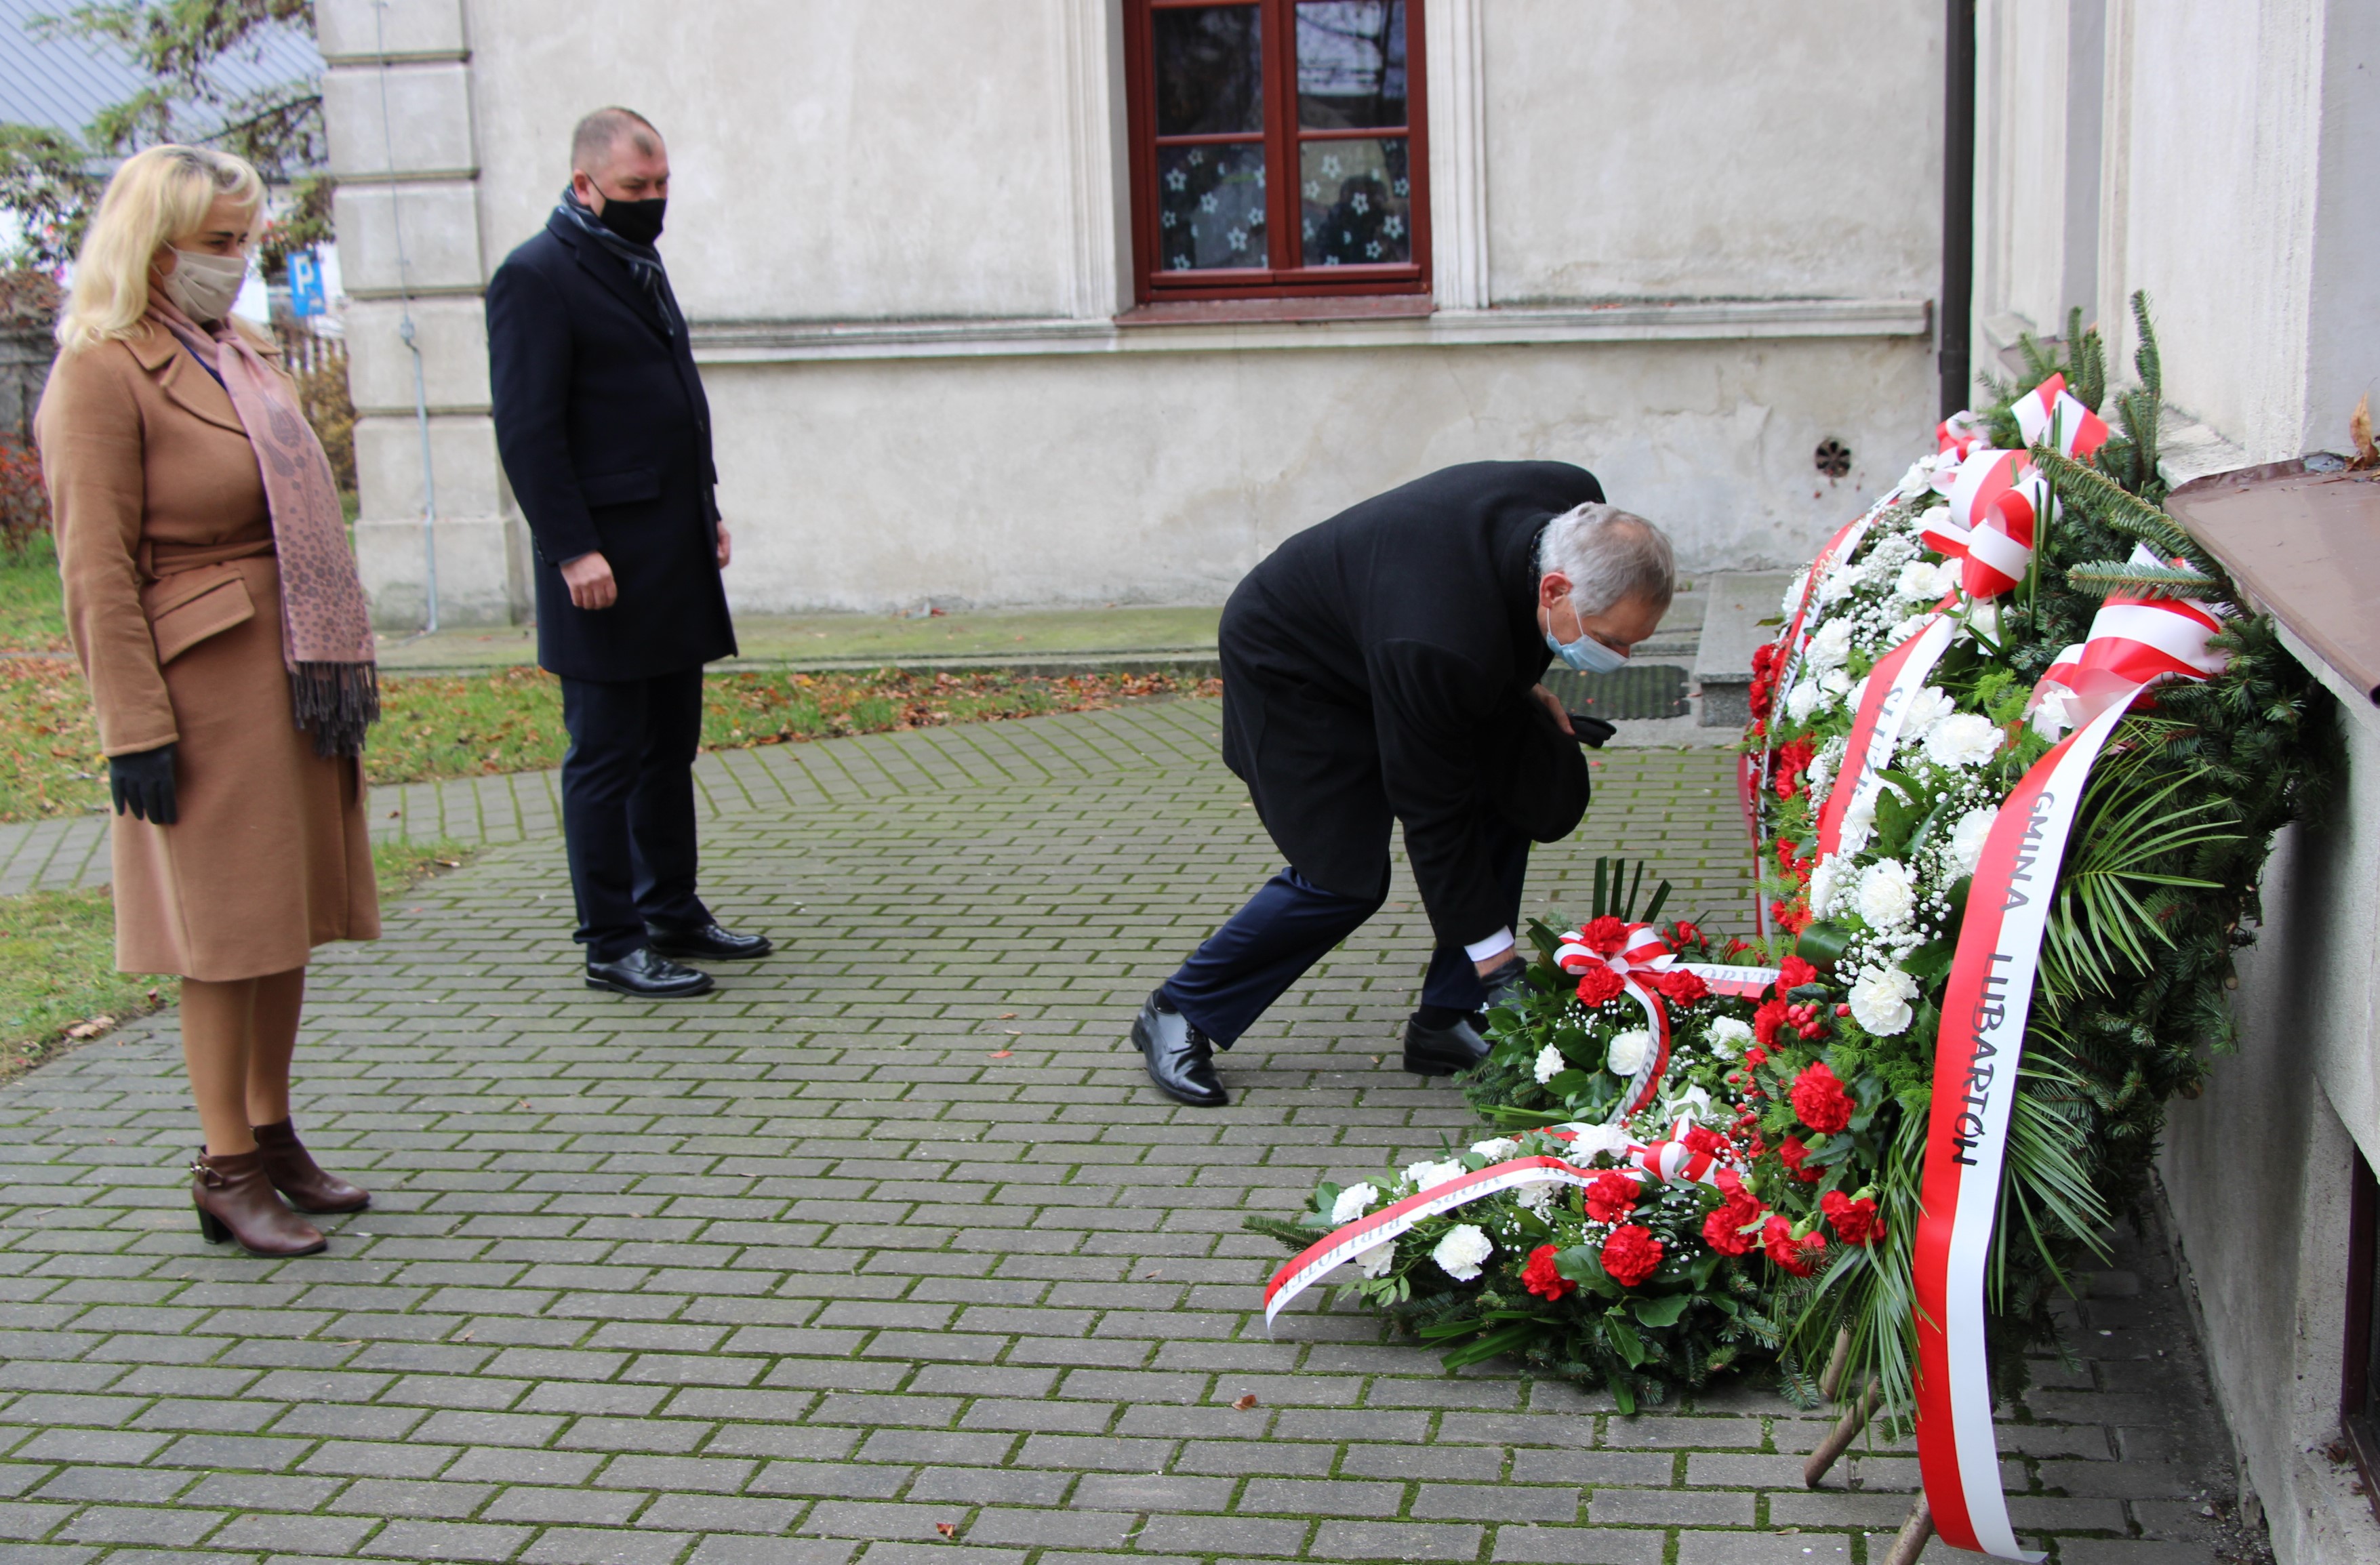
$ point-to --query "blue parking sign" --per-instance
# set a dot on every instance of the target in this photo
(305, 284)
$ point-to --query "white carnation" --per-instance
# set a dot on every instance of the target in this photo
(1693, 1104)
(1985, 619)
(1838, 583)
(1907, 628)
(1916, 583)
(1792, 602)
(1881, 997)
(1803, 700)
(1888, 895)
(1551, 1065)
(1831, 646)
(1496, 1149)
(1426, 1174)
(1539, 1198)
(1376, 1261)
(1459, 1255)
(1826, 763)
(2049, 717)
(1855, 693)
(1354, 1202)
(1926, 708)
(1822, 886)
(1590, 1142)
(1963, 739)
(1729, 1036)
(1628, 1052)
(1858, 823)
(1966, 849)
(1836, 681)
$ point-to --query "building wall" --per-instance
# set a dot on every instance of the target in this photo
(899, 229)
(2256, 1169)
(2217, 141)
(2205, 152)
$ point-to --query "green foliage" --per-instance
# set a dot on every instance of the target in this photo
(49, 181)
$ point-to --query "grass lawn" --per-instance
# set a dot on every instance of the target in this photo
(438, 726)
(58, 982)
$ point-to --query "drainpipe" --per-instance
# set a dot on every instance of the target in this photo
(1954, 315)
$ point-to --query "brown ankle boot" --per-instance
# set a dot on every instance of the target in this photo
(236, 1201)
(295, 1173)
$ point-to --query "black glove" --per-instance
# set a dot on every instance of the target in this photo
(143, 784)
(1592, 732)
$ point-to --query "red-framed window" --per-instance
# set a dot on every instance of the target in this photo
(1277, 148)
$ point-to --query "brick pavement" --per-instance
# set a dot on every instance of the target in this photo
(888, 1236)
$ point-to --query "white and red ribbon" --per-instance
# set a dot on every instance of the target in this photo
(1985, 1010)
(2052, 415)
(1325, 1255)
(1644, 954)
(1892, 685)
(2133, 642)
(1662, 1161)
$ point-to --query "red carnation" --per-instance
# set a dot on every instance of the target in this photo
(1681, 987)
(1799, 1256)
(1793, 1153)
(1724, 1230)
(1792, 974)
(1755, 1056)
(1795, 920)
(1597, 986)
(1790, 760)
(1820, 1102)
(1540, 1276)
(1769, 1021)
(1855, 1221)
(1631, 1253)
(1737, 946)
(1606, 934)
(1707, 1141)
(1611, 1197)
(1684, 933)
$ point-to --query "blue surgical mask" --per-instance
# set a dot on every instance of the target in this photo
(1586, 654)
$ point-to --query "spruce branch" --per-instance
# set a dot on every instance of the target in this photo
(2107, 577)
(2145, 357)
(2102, 499)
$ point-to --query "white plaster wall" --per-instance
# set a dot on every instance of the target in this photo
(2257, 1168)
(1164, 476)
(1698, 149)
(828, 161)
(2024, 47)
(2225, 108)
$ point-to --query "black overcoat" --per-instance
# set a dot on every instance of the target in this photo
(1377, 669)
(605, 437)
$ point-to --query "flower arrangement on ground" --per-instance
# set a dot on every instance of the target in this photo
(2016, 757)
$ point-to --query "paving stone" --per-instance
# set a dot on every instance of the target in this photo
(788, 1275)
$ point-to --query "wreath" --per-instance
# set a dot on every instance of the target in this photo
(2018, 612)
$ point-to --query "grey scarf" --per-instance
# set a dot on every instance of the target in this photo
(643, 261)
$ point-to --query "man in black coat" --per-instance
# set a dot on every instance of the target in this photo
(605, 437)
(1383, 668)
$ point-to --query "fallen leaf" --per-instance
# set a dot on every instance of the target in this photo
(1008, 1016)
(463, 1337)
(1244, 1401)
(1002, 1053)
(91, 1028)
(947, 1529)
(394, 813)
(451, 863)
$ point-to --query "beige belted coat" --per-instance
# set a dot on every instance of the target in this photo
(173, 602)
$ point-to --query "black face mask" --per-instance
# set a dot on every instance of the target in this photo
(640, 222)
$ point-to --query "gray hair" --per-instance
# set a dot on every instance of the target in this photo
(1610, 555)
(591, 142)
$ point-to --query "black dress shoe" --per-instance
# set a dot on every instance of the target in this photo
(1180, 1061)
(1441, 1052)
(707, 943)
(648, 975)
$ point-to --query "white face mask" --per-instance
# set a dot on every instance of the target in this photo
(204, 285)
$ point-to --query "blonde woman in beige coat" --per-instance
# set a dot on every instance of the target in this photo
(213, 600)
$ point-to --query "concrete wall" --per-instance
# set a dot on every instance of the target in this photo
(899, 230)
(2213, 153)
(2257, 1168)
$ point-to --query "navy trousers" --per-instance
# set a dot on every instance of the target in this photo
(628, 807)
(1290, 924)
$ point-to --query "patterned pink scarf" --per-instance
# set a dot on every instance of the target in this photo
(326, 640)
